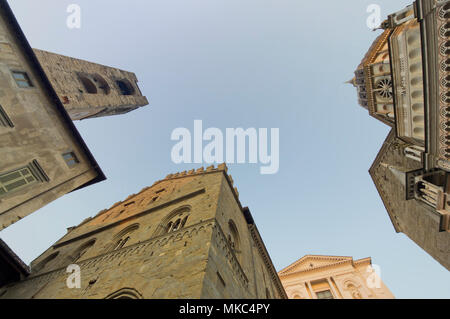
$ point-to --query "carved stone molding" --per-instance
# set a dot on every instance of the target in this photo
(118, 255)
(222, 242)
(267, 261)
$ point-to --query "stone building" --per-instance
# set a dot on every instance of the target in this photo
(186, 236)
(404, 81)
(333, 277)
(42, 155)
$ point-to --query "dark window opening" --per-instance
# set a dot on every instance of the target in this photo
(101, 83)
(125, 87)
(437, 178)
(89, 86)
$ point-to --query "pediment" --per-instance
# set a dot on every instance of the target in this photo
(310, 262)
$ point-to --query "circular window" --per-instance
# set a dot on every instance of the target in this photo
(384, 88)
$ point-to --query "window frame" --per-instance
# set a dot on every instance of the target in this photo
(5, 120)
(74, 158)
(36, 172)
(323, 291)
(27, 79)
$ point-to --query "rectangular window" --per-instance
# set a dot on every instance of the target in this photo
(4, 119)
(22, 177)
(16, 180)
(326, 294)
(22, 79)
(70, 158)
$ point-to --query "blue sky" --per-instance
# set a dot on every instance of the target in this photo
(247, 63)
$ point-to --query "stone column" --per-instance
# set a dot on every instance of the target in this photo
(333, 289)
(308, 286)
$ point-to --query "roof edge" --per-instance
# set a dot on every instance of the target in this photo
(12, 21)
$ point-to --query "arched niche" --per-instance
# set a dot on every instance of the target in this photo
(88, 84)
(102, 84)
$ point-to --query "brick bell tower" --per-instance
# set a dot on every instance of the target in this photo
(186, 236)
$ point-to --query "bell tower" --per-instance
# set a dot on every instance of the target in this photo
(90, 90)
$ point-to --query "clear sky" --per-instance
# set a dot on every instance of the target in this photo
(238, 63)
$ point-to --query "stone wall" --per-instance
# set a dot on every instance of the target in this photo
(413, 218)
(35, 135)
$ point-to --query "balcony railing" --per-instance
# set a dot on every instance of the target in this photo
(429, 193)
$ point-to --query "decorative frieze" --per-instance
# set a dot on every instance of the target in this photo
(125, 252)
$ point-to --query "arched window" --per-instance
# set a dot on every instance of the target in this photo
(41, 265)
(183, 222)
(101, 83)
(177, 224)
(125, 87)
(176, 220)
(82, 250)
(123, 237)
(88, 84)
(121, 242)
(125, 293)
